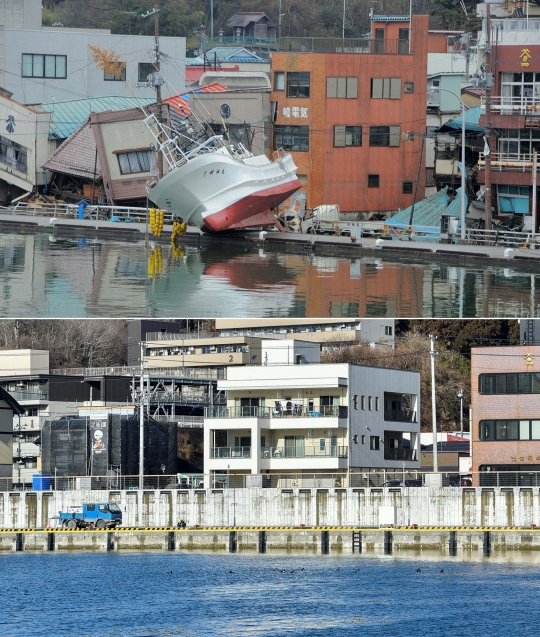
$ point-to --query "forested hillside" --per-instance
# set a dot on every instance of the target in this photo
(300, 17)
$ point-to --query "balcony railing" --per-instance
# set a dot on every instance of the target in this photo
(230, 452)
(502, 105)
(400, 454)
(135, 370)
(315, 451)
(400, 415)
(511, 162)
(294, 411)
(28, 395)
(347, 45)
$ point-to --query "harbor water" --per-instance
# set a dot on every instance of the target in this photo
(49, 276)
(202, 595)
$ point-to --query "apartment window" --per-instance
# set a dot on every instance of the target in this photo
(520, 383)
(363, 439)
(374, 443)
(363, 402)
(13, 155)
(342, 87)
(373, 181)
(291, 138)
(407, 187)
(376, 403)
(370, 403)
(38, 65)
(347, 136)
(134, 162)
(145, 69)
(510, 429)
(386, 88)
(384, 135)
(116, 78)
(388, 330)
(408, 87)
(279, 81)
(297, 84)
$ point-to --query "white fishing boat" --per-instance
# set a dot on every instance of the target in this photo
(217, 185)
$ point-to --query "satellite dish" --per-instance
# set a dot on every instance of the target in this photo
(225, 111)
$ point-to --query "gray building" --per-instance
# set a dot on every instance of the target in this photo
(529, 331)
(43, 64)
(9, 407)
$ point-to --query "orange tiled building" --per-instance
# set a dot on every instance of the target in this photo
(343, 115)
(505, 402)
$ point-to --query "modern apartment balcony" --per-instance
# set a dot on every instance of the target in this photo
(25, 397)
(400, 454)
(230, 452)
(298, 415)
(25, 449)
(311, 451)
(400, 415)
(507, 162)
(344, 45)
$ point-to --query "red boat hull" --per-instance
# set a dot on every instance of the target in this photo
(240, 213)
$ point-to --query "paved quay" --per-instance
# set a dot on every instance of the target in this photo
(523, 258)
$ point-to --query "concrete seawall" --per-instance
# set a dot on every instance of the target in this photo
(422, 506)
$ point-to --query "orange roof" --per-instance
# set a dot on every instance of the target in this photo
(181, 102)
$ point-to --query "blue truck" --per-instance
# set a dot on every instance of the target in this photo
(106, 515)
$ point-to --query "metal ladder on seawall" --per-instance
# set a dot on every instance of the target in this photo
(356, 541)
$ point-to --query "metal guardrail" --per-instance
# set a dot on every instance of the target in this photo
(175, 372)
(71, 211)
(508, 238)
(344, 45)
(392, 478)
(514, 162)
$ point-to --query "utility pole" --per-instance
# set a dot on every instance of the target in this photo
(141, 427)
(432, 353)
(534, 202)
(487, 196)
(158, 81)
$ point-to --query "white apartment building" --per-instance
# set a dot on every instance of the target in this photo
(313, 420)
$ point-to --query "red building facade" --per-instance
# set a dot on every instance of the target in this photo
(343, 115)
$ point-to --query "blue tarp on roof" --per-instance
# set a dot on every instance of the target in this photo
(472, 119)
(428, 213)
(67, 116)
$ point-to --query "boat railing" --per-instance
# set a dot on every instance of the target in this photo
(279, 153)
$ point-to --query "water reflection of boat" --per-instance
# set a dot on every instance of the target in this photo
(219, 186)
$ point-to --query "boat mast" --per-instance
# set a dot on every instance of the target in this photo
(157, 81)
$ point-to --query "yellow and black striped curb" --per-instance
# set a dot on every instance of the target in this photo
(277, 529)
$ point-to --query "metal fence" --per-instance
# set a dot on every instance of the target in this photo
(501, 237)
(174, 372)
(71, 211)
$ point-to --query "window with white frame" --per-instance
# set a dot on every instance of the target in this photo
(40, 65)
(520, 88)
(346, 87)
(519, 143)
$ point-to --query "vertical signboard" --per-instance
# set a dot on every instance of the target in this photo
(99, 444)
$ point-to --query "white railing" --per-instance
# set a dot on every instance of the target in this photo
(521, 162)
(522, 24)
(71, 211)
(496, 237)
(176, 372)
(515, 105)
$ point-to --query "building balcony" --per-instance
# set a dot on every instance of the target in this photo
(346, 45)
(507, 162)
(230, 452)
(28, 396)
(400, 415)
(290, 409)
(528, 106)
(314, 451)
(25, 450)
(400, 454)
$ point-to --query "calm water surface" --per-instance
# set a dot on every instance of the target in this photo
(132, 595)
(41, 275)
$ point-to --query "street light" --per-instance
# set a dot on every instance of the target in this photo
(463, 193)
(460, 396)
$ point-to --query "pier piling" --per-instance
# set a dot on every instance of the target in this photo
(19, 542)
(452, 544)
(487, 543)
(325, 542)
(233, 542)
(262, 541)
(50, 541)
(171, 541)
(110, 541)
(388, 542)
